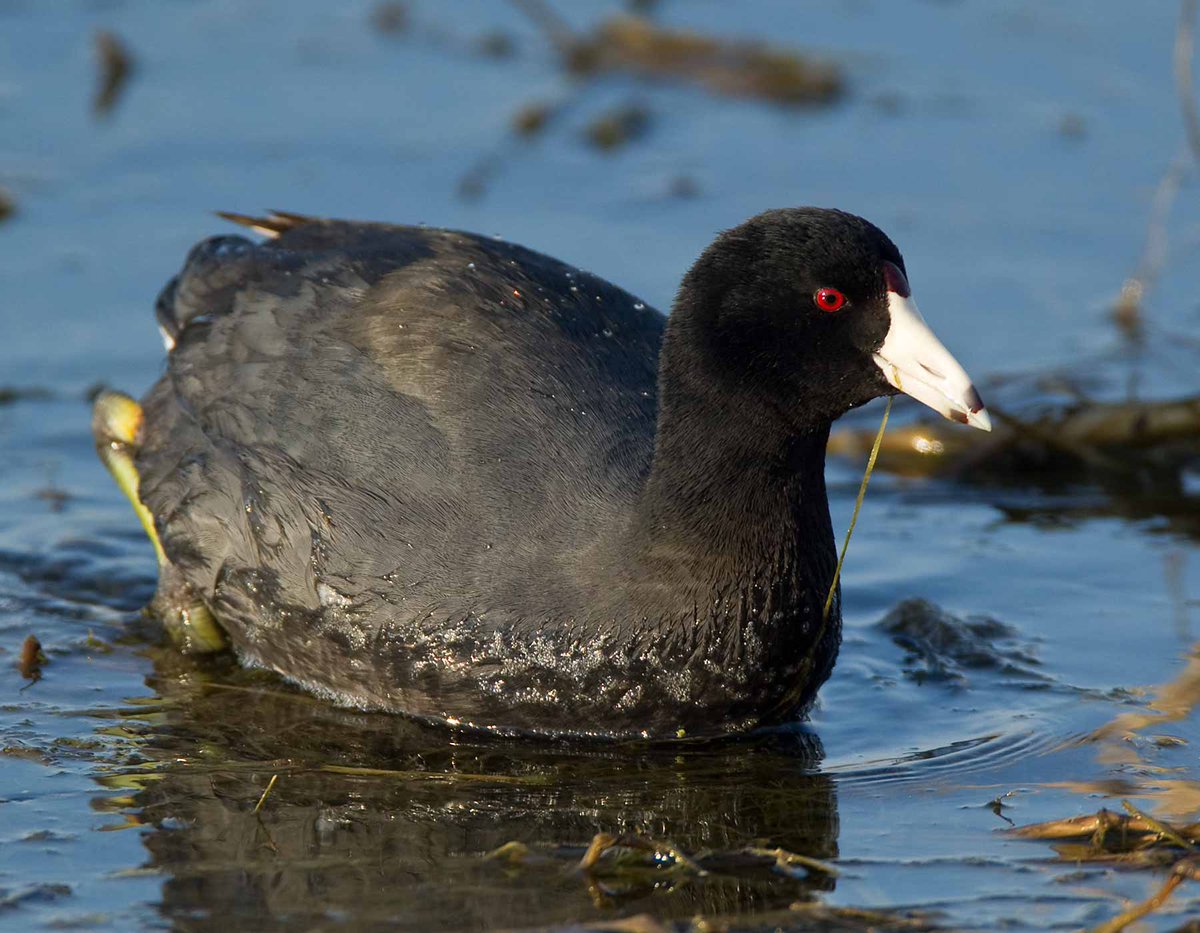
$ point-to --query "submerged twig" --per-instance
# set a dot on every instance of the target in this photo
(1149, 905)
(1141, 841)
(513, 851)
(1163, 830)
(447, 776)
(784, 860)
(1096, 826)
(603, 842)
(263, 799)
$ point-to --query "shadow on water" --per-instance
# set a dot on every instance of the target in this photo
(368, 806)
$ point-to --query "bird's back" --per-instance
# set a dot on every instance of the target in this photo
(369, 436)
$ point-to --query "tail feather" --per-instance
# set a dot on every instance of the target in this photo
(274, 224)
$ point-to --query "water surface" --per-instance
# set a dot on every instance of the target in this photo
(1011, 149)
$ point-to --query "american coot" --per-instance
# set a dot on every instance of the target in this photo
(434, 473)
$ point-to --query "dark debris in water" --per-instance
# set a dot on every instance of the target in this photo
(55, 497)
(683, 187)
(998, 806)
(532, 118)
(390, 17)
(618, 127)
(8, 205)
(115, 64)
(1072, 126)
(942, 646)
(31, 659)
(496, 44)
(33, 893)
(10, 395)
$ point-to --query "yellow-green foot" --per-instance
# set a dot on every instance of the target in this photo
(117, 428)
(192, 626)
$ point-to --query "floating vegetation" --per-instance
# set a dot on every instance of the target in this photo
(731, 67)
(115, 66)
(734, 68)
(633, 45)
(615, 128)
(1107, 836)
(7, 205)
(1109, 437)
(1132, 840)
(1072, 458)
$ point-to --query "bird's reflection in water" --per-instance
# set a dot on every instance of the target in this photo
(374, 819)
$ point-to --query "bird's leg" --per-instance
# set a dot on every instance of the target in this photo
(116, 427)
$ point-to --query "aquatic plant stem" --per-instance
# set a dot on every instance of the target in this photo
(862, 492)
(263, 799)
(1141, 909)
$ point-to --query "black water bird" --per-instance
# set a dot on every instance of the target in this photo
(429, 472)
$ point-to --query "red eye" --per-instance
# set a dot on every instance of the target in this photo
(829, 299)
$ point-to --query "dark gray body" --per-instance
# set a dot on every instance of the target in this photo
(403, 468)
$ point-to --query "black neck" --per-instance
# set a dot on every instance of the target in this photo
(732, 548)
(737, 485)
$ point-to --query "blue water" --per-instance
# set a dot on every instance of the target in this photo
(1011, 149)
